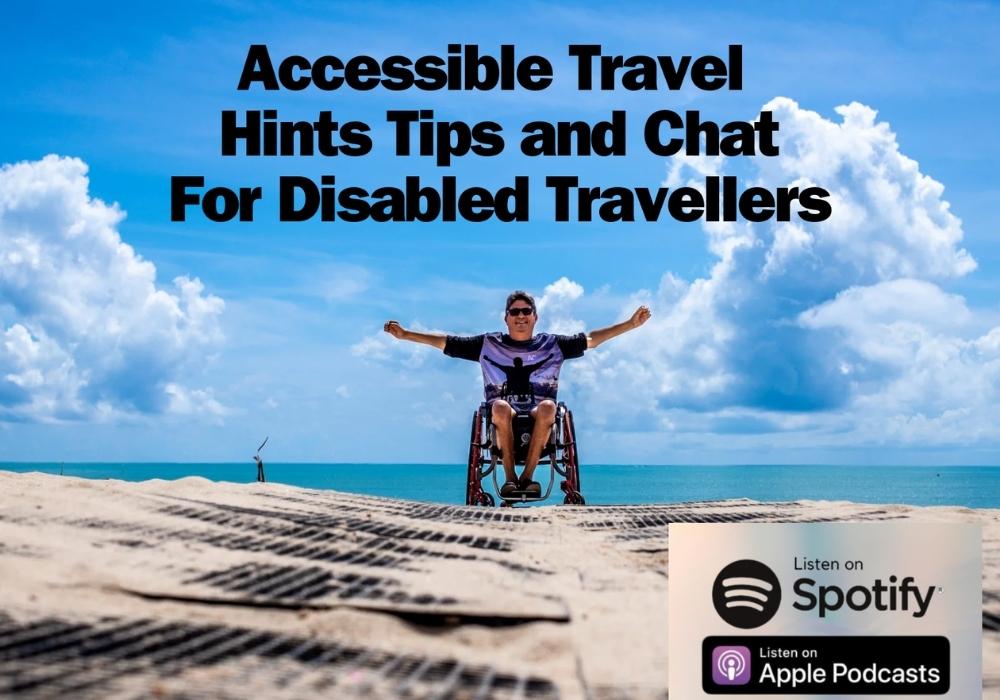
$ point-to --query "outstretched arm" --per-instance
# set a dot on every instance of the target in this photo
(436, 340)
(595, 338)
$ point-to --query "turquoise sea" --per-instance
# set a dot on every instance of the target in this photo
(974, 487)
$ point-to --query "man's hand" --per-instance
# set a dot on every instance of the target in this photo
(394, 329)
(640, 316)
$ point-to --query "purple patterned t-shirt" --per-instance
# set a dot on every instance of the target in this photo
(524, 371)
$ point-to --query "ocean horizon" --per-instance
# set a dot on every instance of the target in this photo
(603, 484)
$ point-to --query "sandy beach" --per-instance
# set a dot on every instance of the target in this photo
(190, 588)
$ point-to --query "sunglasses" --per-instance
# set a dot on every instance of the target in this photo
(520, 311)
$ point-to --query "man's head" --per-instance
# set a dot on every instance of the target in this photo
(520, 315)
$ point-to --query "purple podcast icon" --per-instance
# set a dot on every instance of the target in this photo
(731, 665)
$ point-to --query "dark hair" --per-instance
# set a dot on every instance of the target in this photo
(520, 295)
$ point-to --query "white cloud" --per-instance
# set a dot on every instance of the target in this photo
(86, 329)
(837, 327)
(918, 360)
(896, 302)
(555, 307)
(193, 401)
(889, 219)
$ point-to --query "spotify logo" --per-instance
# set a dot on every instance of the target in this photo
(746, 594)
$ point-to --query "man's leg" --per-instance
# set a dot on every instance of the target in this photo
(544, 415)
(503, 419)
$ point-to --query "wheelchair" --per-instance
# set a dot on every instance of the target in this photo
(486, 459)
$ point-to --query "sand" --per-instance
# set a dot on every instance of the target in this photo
(190, 588)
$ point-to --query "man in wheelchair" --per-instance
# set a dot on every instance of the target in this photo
(520, 376)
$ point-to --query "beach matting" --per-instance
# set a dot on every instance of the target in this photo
(195, 589)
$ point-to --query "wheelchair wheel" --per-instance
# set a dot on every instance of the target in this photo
(485, 499)
(571, 461)
(473, 487)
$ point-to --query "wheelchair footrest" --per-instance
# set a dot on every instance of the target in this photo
(520, 498)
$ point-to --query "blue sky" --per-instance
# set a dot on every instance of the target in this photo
(869, 340)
